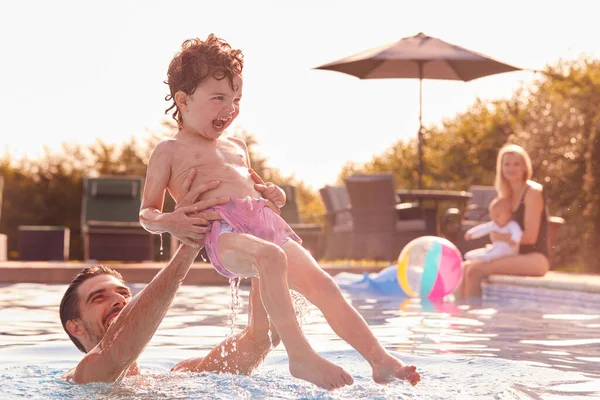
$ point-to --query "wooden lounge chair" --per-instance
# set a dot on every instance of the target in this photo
(378, 230)
(110, 220)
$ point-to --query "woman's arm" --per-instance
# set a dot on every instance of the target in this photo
(534, 206)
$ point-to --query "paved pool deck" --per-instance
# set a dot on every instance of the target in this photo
(204, 274)
(63, 272)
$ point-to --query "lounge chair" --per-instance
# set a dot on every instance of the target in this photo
(379, 231)
(338, 222)
(44, 243)
(311, 234)
(110, 220)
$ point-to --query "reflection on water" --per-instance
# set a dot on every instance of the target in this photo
(489, 342)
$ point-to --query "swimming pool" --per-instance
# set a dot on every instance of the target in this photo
(496, 349)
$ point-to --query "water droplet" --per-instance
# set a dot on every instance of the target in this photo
(234, 304)
(161, 244)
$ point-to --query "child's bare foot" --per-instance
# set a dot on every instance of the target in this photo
(315, 369)
(390, 368)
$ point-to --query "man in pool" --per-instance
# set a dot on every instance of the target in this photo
(104, 321)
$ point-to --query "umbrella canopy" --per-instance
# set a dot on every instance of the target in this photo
(419, 57)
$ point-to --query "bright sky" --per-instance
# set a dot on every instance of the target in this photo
(74, 71)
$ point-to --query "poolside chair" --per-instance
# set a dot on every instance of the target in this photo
(3, 239)
(378, 230)
(338, 222)
(311, 234)
(110, 220)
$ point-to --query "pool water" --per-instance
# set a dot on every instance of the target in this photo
(490, 349)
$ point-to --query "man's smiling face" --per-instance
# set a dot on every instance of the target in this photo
(101, 299)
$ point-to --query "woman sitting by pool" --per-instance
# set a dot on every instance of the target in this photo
(513, 180)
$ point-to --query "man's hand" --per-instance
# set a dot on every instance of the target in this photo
(188, 222)
(268, 190)
(467, 236)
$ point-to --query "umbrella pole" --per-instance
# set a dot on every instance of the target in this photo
(420, 133)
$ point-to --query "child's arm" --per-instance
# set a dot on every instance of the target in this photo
(269, 191)
(479, 231)
(182, 223)
(516, 233)
(153, 197)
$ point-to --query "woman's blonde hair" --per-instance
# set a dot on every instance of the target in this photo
(501, 184)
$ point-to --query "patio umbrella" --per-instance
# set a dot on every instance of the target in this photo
(421, 57)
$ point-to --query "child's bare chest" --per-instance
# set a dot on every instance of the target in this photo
(210, 161)
(221, 155)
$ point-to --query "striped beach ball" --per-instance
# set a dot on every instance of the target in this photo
(429, 267)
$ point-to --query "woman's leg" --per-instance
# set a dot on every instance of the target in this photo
(533, 264)
(305, 276)
(246, 255)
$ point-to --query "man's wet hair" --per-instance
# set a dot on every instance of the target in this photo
(69, 305)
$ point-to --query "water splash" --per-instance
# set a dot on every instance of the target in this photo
(301, 306)
(161, 244)
(234, 304)
(451, 377)
(270, 334)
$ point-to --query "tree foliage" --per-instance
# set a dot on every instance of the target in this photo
(48, 190)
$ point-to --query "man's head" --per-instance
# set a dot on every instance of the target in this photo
(501, 210)
(92, 301)
(205, 85)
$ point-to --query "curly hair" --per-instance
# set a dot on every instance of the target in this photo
(196, 62)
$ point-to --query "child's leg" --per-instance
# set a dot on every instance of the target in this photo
(319, 288)
(499, 250)
(245, 255)
(476, 254)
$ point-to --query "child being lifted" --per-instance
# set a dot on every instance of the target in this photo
(250, 239)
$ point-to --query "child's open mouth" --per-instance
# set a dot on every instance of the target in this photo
(220, 123)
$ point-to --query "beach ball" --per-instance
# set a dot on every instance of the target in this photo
(429, 267)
